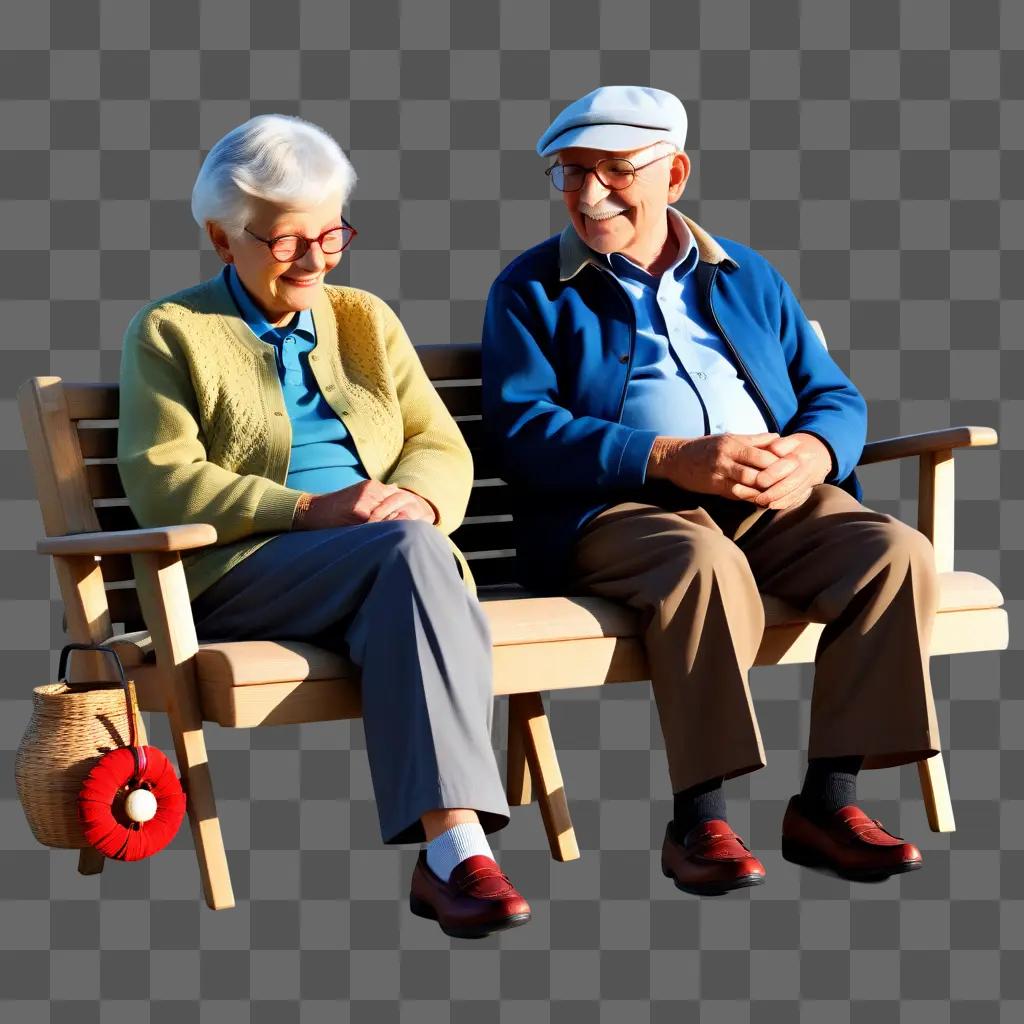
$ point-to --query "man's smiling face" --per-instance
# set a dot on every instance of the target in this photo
(630, 219)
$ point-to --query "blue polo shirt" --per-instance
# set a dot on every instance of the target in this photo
(683, 382)
(323, 456)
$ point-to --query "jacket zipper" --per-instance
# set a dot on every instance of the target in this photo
(770, 416)
(617, 288)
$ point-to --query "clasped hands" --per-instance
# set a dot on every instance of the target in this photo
(766, 469)
(368, 501)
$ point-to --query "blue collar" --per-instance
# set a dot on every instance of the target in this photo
(574, 254)
(255, 319)
(685, 261)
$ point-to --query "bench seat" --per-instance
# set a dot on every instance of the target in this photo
(593, 640)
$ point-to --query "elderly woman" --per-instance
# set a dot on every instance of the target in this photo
(295, 417)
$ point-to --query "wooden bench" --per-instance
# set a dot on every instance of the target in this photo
(540, 643)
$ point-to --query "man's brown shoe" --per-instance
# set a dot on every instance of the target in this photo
(710, 860)
(476, 900)
(848, 842)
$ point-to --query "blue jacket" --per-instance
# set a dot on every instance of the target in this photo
(558, 344)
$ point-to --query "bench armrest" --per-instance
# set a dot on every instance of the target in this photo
(934, 451)
(924, 443)
(182, 537)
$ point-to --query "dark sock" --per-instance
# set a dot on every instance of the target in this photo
(830, 783)
(703, 802)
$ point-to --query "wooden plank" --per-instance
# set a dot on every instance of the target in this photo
(116, 517)
(92, 400)
(117, 568)
(518, 787)
(461, 400)
(527, 710)
(485, 464)
(936, 441)
(98, 442)
(484, 536)
(935, 505)
(490, 501)
(104, 480)
(164, 595)
(473, 432)
(451, 362)
(56, 460)
(493, 571)
(931, 773)
(124, 607)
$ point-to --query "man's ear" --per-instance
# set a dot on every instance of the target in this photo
(219, 238)
(678, 175)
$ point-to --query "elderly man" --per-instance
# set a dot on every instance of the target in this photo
(678, 439)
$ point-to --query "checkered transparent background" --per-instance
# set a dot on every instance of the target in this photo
(873, 150)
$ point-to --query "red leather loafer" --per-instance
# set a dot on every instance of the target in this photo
(476, 900)
(710, 860)
(848, 842)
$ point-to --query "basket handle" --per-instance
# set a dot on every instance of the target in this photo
(138, 751)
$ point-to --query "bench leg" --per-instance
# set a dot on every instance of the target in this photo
(90, 861)
(518, 788)
(526, 716)
(190, 747)
(163, 595)
(935, 790)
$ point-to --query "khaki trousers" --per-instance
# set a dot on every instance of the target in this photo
(695, 566)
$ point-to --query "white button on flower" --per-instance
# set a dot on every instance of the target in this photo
(140, 805)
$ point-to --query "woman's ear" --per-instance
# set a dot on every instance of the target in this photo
(219, 238)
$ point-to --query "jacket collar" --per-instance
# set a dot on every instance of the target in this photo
(254, 317)
(574, 254)
(218, 300)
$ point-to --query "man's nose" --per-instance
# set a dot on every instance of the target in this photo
(593, 191)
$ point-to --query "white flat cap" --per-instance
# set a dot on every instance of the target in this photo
(617, 117)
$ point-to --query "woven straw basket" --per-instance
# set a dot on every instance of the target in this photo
(72, 727)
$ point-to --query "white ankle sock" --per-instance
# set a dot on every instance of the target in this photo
(452, 847)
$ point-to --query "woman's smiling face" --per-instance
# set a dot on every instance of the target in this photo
(281, 289)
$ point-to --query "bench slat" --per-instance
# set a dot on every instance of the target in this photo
(459, 361)
(124, 607)
(117, 568)
(462, 400)
(489, 572)
(92, 401)
(490, 501)
(116, 517)
(104, 480)
(98, 442)
(484, 536)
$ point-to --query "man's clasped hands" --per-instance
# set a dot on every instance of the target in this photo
(766, 469)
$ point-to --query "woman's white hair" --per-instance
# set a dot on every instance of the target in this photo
(276, 157)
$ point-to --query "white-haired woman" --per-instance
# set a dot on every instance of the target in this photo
(295, 417)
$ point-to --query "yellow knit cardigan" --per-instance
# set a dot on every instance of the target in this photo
(204, 435)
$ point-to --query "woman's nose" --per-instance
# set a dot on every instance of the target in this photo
(314, 258)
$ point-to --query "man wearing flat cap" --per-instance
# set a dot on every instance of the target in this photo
(678, 439)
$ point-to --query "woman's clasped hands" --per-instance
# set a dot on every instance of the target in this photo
(368, 501)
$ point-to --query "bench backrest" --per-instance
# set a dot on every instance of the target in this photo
(71, 435)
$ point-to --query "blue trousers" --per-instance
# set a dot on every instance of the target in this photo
(390, 596)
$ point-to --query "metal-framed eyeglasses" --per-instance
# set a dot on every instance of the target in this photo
(286, 248)
(614, 172)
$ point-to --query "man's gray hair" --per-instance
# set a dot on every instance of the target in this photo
(276, 157)
(661, 146)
